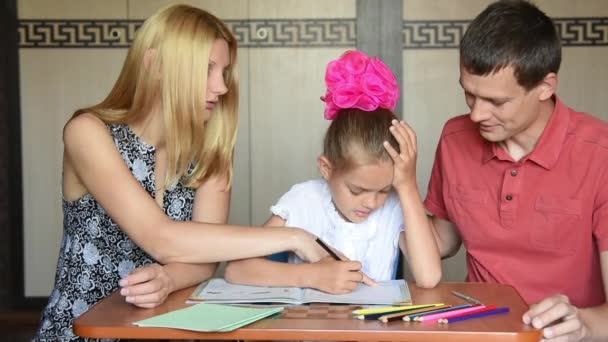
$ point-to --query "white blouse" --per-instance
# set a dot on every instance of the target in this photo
(373, 242)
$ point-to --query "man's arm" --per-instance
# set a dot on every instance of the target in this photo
(447, 236)
(561, 321)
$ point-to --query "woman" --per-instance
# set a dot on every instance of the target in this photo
(147, 175)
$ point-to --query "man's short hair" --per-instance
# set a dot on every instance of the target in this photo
(512, 33)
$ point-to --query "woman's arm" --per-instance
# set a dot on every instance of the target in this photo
(149, 286)
(211, 205)
(328, 275)
(90, 151)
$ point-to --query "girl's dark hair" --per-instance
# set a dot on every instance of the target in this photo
(355, 137)
(512, 33)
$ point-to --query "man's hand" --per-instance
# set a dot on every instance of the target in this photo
(147, 286)
(559, 320)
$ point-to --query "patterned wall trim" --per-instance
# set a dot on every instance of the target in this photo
(249, 33)
(446, 34)
(264, 33)
(295, 33)
(77, 33)
(438, 34)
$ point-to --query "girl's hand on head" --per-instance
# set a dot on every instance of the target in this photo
(147, 286)
(405, 160)
(338, 277)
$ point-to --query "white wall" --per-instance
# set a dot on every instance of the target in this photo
(281, 124)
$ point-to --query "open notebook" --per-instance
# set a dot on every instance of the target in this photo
(392, 292)
(209, 317)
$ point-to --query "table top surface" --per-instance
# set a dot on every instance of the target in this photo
(113, 318)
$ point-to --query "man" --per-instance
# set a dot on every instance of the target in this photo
(523, 179)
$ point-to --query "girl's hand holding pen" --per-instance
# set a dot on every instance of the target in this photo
(337, 256)
(336, 276)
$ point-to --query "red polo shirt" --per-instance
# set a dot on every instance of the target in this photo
(538, 224)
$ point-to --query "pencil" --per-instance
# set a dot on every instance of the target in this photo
(397, 309)
(394, 316)
(467, 298)
(392, 308)
(434, 318)
(479, 309)
(328, 250)
(415, 317)
(474, 315)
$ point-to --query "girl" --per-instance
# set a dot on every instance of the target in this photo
(147, 166)
(356, 207)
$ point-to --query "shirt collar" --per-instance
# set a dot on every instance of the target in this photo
(549, 145)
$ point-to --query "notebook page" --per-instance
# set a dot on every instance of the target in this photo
(219, 291)
(386, 293)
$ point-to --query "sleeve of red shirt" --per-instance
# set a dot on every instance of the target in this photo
(434, 201)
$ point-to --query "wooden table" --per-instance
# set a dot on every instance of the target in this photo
(113, 318)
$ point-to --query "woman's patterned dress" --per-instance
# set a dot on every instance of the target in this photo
(95, 253)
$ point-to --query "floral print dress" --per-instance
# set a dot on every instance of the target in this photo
(95, 253)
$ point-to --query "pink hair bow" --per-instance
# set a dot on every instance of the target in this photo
(357, 81)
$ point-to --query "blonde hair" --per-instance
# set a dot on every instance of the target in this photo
(180, 38)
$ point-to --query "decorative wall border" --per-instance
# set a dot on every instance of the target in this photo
(249, 33)
(433, 34)
(295, 33)
(267, 33)
(446, 34)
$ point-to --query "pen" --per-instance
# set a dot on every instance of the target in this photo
(328, 250)
(467, 298)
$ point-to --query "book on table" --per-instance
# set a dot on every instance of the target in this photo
(209, 317)
(217, 290)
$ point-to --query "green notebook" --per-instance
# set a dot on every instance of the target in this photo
(209, 317)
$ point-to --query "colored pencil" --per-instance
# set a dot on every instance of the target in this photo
(385, 318)
(327, 249)
(480, 309)
(372, 316)
(467, 298)
(433, 318)
(415, 317)
(474, 315)
(473, 310)
(393, 308)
